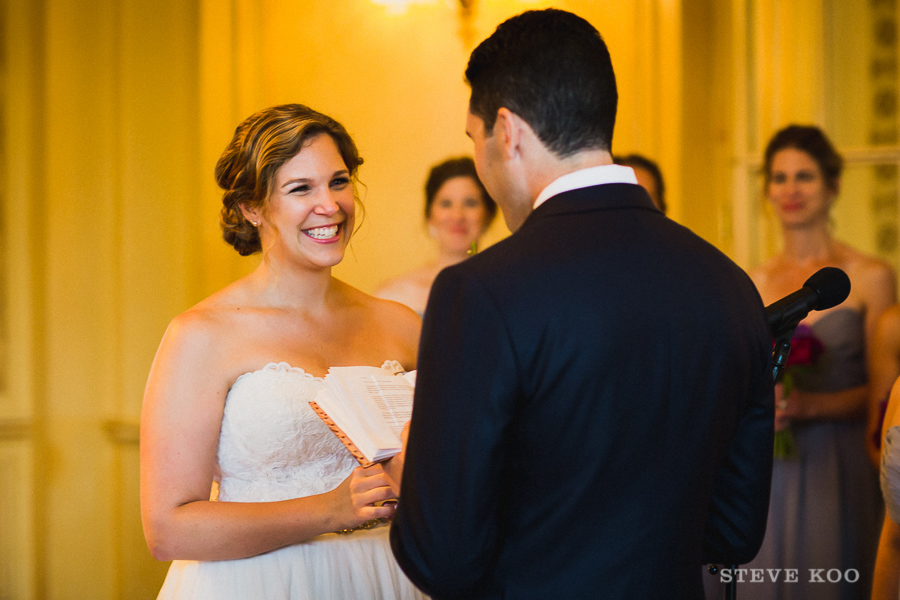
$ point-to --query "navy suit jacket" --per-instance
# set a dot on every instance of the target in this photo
(593, 412)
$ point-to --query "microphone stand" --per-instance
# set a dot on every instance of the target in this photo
(731, 586)
(780, 351)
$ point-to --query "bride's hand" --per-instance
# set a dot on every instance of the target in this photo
(394, 465)
(357, 495)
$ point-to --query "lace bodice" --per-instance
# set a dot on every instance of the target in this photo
(272, 446)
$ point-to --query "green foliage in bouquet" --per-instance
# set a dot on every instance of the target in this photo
(806, 349)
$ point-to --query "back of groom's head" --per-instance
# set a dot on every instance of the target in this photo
(553, 69)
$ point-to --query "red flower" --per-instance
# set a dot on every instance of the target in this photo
(805, 348)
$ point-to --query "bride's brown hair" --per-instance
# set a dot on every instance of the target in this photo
(260, 146)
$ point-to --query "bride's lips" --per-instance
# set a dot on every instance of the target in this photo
(324, 233)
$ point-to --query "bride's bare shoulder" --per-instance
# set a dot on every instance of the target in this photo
(392, 323)
(379, 308)
(211, 321)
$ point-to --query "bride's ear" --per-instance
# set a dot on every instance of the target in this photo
(250, 215)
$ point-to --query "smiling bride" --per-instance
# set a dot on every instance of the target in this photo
(242, 485)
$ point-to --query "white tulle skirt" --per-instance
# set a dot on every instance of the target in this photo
(354, 566)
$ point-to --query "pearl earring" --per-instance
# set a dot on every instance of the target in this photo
(254, 223)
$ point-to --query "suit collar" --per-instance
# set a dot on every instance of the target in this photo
(609, 196)
(586, 177)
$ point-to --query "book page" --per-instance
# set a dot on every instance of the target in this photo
(393, 398)
(370, 406)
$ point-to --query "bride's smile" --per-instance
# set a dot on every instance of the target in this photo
(326, 233)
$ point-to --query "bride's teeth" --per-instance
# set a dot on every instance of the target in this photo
(322, 233)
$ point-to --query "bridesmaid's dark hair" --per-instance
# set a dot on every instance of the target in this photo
(463, 166)
(811, 140)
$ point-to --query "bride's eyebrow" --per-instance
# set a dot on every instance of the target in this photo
(295, 181)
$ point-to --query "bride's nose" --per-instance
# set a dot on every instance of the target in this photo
(327, 205)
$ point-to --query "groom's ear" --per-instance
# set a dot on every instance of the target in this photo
(507, 131)
(516, 137)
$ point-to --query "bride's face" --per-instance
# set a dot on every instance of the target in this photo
(309, 215)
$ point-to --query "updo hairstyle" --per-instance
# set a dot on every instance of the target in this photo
(260, 146)
(463, 166)
(811, 140)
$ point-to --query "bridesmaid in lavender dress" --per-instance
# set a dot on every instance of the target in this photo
(825, 507)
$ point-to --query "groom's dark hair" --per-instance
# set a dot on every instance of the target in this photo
(551, 68)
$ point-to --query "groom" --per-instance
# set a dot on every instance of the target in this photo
(593, 412)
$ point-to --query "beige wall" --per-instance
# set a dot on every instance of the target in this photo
(114, 113)
(99, 196)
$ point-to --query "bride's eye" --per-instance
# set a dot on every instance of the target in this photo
(299, 189)
(340, 182)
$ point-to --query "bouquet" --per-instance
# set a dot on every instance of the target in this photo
(806, 349)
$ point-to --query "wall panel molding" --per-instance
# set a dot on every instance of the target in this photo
(17, 541)
(16, 429)
(121, 433)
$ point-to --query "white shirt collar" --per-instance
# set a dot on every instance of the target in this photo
(586, 178)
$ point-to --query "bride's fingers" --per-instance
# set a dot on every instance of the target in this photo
(370, 485)
(368, 477)
(372, 495)
(371, 503)
(385, 511)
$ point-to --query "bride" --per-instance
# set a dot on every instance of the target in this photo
(226, 404)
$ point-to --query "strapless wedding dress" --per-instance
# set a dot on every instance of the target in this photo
(272, 447)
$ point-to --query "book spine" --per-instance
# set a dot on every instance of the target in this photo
(341, 435)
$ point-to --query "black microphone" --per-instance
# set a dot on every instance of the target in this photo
(826, 288)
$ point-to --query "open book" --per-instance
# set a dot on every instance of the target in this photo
(366, 407)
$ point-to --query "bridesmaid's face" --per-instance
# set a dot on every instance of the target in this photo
(458, 214)
(797, 189)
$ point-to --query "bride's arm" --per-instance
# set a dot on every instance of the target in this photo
(182, 414)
